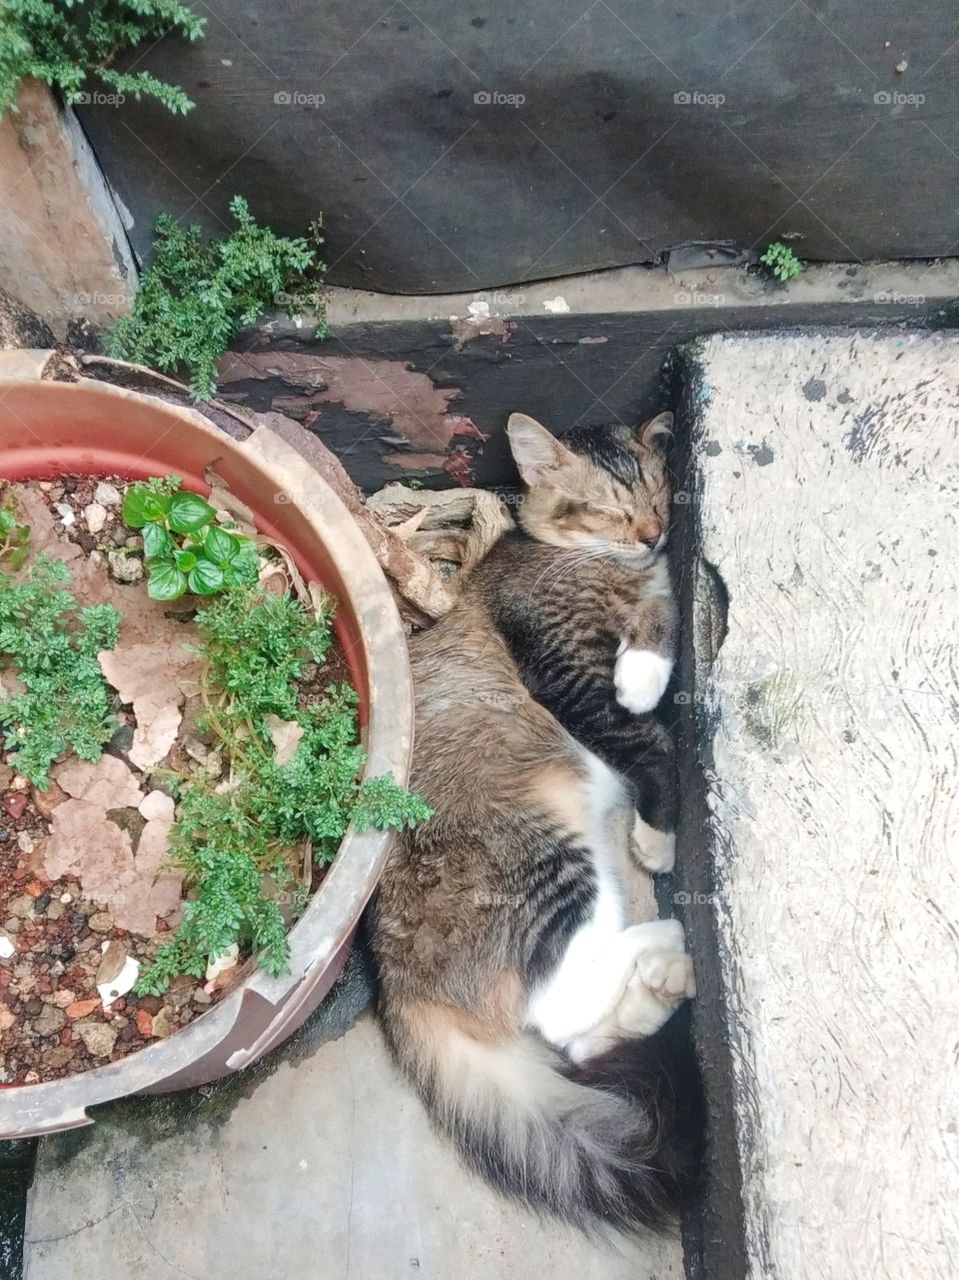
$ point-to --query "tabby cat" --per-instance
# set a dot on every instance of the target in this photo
(527, 1012)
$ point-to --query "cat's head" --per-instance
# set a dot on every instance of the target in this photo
(601, 489)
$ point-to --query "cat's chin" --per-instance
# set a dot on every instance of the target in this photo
(643, 559)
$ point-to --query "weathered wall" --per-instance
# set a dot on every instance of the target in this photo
(461, 146)
(63, 250)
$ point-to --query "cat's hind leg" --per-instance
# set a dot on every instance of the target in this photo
(661, 979)
(589, 983)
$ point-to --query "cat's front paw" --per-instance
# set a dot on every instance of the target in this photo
(640, 677)
(654, 850)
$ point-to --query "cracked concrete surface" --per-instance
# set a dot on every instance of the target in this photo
(327, 1170)
(825, 489)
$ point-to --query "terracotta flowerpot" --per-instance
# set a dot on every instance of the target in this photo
(50, 428)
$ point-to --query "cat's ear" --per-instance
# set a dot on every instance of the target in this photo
(656, 433)
(535, 451)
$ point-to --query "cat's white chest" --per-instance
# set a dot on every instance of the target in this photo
(658, 584)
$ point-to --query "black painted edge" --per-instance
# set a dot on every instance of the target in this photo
(713, 1228)
(17, 1161)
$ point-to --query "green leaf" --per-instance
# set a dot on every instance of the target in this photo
(244, 565)
(189, 513)
(185, 560)
(166, 580)
(206, 578)
(156, 541)
(8, 521)
(143, 504)
(220, 546)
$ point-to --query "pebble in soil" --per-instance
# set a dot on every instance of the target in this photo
(52, 949)
(54, 940)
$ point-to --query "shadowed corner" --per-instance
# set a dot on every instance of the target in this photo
(17, 1160)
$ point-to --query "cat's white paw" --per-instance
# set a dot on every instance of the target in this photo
(665, 934)
(662, 978)
(655, 851)
(640, 677)
(667, 974)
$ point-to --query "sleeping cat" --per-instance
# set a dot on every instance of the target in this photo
(528, 1013)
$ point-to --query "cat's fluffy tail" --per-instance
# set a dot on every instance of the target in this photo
(613, 1142)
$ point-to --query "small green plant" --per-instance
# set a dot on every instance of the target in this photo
(63, 42)
(197, 295)
(14, 539)
(183, 547)
(64, 702)
(237, 845)
(780, 261)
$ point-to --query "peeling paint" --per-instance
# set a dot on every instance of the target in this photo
(465, 331)
(557, 306)
(415, 461)
(416, 409)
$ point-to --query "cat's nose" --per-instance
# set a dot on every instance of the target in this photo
(649, 531)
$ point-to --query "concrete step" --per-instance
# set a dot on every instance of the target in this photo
(822, 500)
(318, 1164)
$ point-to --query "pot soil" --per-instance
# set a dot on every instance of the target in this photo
(70, 436)
(86, 898)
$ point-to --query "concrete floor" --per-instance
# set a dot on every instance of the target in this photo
(326, 1169)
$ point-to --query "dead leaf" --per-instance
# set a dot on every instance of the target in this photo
(85, 843)
(155, 678)
(285, 736)
(410, 526)
(321, 600)
(222, 499)
(297, 583)
(108, 783)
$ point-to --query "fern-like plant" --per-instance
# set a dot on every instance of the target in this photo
(234, 845)
(197, 295)
(66, 42)
(52, 644)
